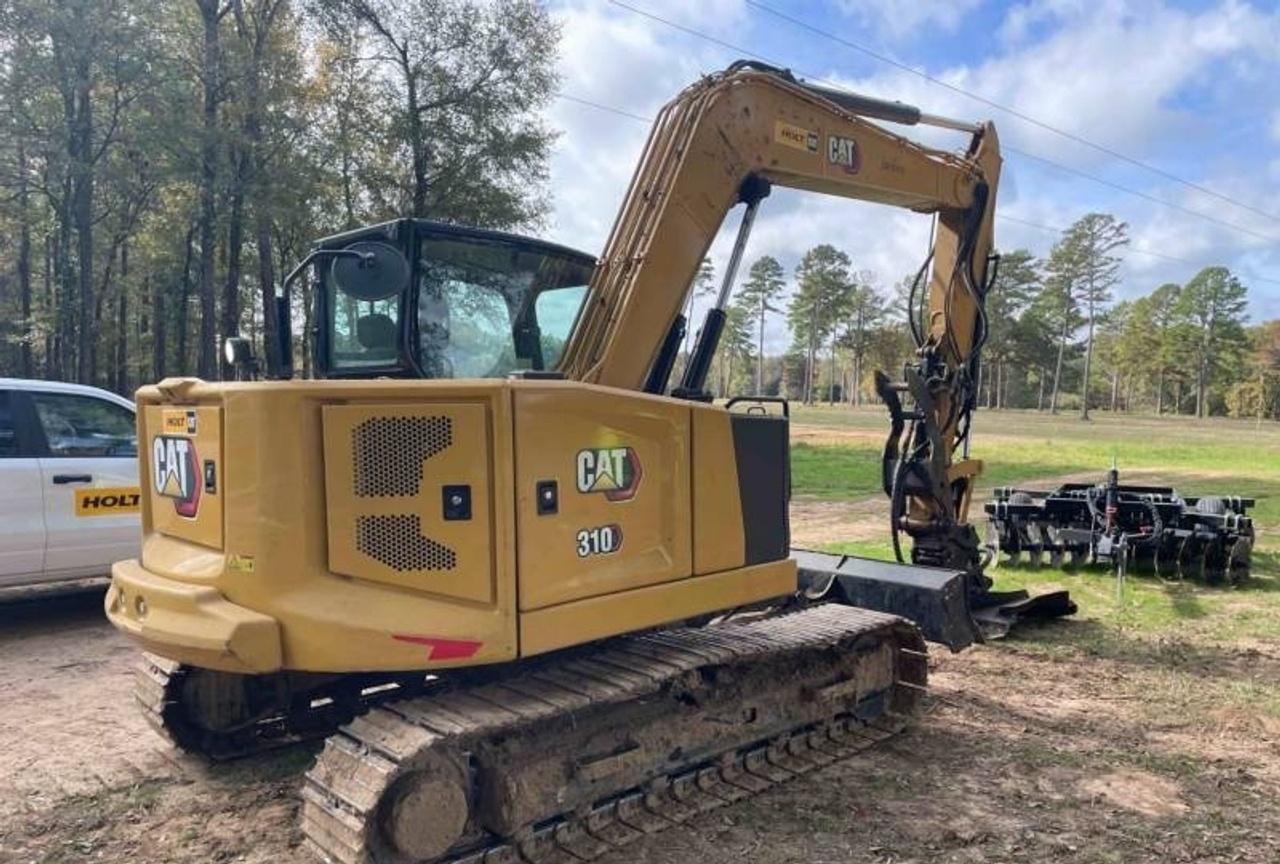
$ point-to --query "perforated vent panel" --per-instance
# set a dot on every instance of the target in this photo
(398, 542)
(388, 468)
(387, 453)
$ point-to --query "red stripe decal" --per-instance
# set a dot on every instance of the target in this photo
(441, 649)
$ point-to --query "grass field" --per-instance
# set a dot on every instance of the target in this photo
(837, 457)
(1160, 699)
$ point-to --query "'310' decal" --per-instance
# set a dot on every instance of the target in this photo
(599, 541)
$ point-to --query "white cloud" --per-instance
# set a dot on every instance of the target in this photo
(1118, 72)
(895, 19)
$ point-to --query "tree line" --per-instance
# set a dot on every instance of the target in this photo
(1058, 340)
(164, 162)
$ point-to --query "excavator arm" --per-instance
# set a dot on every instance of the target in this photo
(724, 141)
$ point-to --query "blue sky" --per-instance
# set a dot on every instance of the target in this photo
(1192, 89)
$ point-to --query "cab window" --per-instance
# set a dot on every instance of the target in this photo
(488, 307)
(76, 425)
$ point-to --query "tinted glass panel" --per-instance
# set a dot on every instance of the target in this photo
(8, 431)
(489, 307)
(85, 425)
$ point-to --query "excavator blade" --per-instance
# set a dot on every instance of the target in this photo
(935, 599)
(946, 605)
(566, 757)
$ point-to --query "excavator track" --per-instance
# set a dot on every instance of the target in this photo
(564, 758)
(164, 690)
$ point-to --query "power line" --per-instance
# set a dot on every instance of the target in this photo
(1071, 136)
(1049, 228)
(1131, 246)
(1143, 195)
(1094, 178)
(560, 94)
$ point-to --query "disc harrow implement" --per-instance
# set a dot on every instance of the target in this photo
(1150, 528)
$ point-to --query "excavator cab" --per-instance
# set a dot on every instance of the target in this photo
(419, 299)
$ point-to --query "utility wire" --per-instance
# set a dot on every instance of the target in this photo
(560, 94)
(599, 106)
(1021, 115)
(1141, 250)
(1092, 177)
(1140, 194)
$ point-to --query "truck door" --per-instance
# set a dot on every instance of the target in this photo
(89, 473)
(22, 531)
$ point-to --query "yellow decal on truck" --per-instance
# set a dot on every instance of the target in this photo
(179, 422)
(796, 137)
(108, 501)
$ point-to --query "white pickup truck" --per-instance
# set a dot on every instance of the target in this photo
(69, 498)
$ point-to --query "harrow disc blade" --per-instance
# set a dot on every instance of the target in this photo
(1034, 557)
(1239, 560)
(1191, 559)
(993, 532)
(1078, 558)
(1055, 557)
(1216, 561)
(1167, 558)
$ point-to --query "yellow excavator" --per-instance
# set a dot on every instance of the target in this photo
(540, 597)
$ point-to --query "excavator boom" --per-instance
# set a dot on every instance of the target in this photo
(756, 122)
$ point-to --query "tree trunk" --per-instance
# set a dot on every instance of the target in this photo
(808, 378)
(1088, 361)
(1160, 392)
(760, 354)
(417, 137)
(261, 178)
(50, 339)
(831, 383)
(184, 306)
(856, 384)
(235, 249)
(1057, 373)
(160, 325)
(1044, 373)
(82, 215)
(24, 263)
(206, 351)
(122, 338)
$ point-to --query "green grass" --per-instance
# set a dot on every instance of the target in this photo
(1196, 457)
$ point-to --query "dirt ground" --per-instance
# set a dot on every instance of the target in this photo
(1066, 745)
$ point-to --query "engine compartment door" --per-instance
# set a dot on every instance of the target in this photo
(602, 492)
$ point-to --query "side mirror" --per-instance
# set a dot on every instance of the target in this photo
(238, 352)
(370, 270)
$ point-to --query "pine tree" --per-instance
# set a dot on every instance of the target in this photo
(1089, 243)
(1213, 307)
(765, 283)
(823, 283)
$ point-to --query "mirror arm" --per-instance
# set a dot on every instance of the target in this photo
(281, 365)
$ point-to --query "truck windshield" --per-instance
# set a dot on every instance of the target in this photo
(478, 307)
